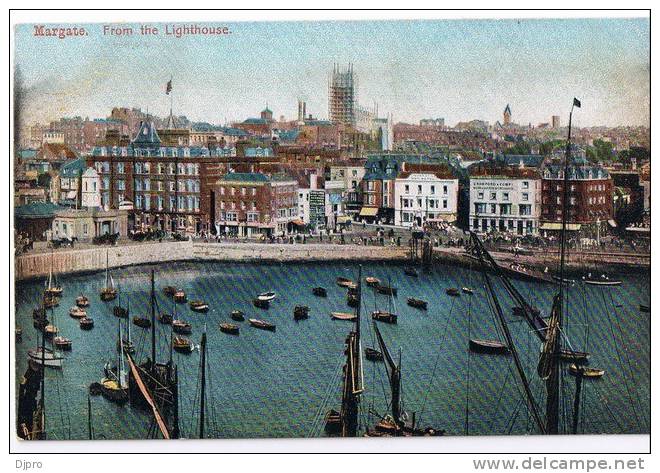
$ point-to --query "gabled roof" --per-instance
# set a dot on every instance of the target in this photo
(147, 135)
(507, 109)
(73, 168)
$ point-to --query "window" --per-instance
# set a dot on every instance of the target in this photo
(433, 189)
(120, 168)
(505, 196)
(121, 184)
(407, 189)
(445, 190)
(370, 185)
(525, 196)
(419, 188)
(493, 196)
(525, 185)
(480, 196)
(444, 203)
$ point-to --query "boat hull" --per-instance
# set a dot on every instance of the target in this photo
(491, 347)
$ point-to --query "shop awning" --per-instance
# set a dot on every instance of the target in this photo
(571, 227)
(297, 222)
(343, 219)
(612, 223)
(71, 194)
(368, 212)
(443, 218)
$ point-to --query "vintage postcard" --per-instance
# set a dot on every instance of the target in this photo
(309, 229)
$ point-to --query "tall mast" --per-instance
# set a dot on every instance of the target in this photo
(553, 341)
(202, 398)
(89, 418)
(107, 271)
(394, 375)
(153, 325)
(43, 384)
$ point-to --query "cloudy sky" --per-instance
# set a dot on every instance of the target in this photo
(456, 69)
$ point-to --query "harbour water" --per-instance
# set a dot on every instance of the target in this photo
(280, 384)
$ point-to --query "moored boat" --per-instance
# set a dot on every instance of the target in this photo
(521, 271)
(231, 329)
(142, 322)
(182, 345)
(47, 357)
(352, 300)
(603, 280)
(165, 318)
(343, 316)
(51, 301)
(180, 326)
(39, 313)
(585, 371)
(86, 323)
(199, 306)
(467, 290)
(237, 315)
(108, 292)
(493, 347)
(261, 304)
(62, 343)
(372, 281)
(300, 312)
(180, 296)
(372, 354)
(77, 313)
(384, 316)
(320, 291)
(345, 282)
(452, 291)
(82, 301)
(417, 303)
(50, 330)
(113, 391)
(262, 324)
(267, 296)
(573, 356)
(52, 287)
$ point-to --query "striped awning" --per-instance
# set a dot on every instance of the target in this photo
(368, 212)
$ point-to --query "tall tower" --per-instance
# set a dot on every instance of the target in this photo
(341, 96)
(507, 115)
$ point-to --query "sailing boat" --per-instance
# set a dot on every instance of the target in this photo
(114, 386)
(388, 316)
(395, 425)
(59, 342)
(53, 288)
(108, 293)
(344, 422)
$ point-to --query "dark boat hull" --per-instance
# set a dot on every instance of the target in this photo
(489, 347)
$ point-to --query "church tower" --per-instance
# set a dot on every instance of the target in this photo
(507, 115)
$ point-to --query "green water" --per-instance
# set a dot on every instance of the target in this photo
(264, 384)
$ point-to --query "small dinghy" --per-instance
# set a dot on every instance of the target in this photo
(320, 292)
(165, 318)
(267, 296)
(352, 300)
(585, 371)
(119, 311)
(77, 313)
(345, 282)
(300, 312)
(142, 322)
(452, 291)
(262, 324)
(182, 345)
(467, 290)
(384, 316)
(180, 296)
(343, 316)
(86, 323)
(492, 347)
(231, 329)
(62, 343)
(603, 280)
(371, 281)
(372, 354)
(199, 306)
(574, 356)
(82, 301)
(169, 291)
(180, 326)
(417, 303)
(237, 315)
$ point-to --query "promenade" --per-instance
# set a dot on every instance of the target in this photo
(90, 258)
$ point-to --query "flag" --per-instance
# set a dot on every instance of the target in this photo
(576, 102)
(168, 87)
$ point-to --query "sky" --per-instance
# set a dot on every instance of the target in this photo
(454, 69)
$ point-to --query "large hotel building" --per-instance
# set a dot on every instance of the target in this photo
(169, 184)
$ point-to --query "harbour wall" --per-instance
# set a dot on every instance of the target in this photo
(80, 260)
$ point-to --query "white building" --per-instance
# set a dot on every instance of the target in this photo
(505, 198)
(425, 195)
(91, 189)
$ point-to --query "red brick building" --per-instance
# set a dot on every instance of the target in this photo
(252, 204)
(590, 194)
